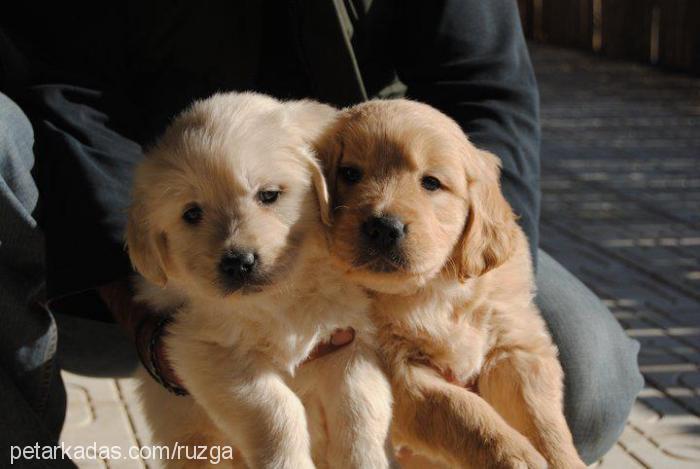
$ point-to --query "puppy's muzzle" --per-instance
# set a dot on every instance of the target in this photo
(236, 267)
(383, 232)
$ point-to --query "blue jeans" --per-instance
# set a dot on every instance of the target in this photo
(32, 396)
(599, 360)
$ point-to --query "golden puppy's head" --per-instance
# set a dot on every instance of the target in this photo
(411, 197)
(225, 197)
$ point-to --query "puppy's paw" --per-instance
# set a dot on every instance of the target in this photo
(532, 460)
(573, 462)
(519, 453)
(291, 463)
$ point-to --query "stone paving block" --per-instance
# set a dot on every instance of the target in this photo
(133, 406)
(97, 415)
(618, 458)
(682, 447)
(645, 451)
(643, 415)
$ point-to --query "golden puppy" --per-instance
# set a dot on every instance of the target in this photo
(419, 219)
(225, 226)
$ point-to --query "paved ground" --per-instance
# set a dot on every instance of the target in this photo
(621, 208)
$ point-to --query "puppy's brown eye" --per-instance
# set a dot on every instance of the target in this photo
(350, 174)
(193, 214)
(268, 197)
(430, 183)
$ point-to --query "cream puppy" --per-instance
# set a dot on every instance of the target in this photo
(419, 219)
(226, 227)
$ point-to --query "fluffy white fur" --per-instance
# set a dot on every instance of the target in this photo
(239, 353)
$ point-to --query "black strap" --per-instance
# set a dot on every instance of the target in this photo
(324, 32)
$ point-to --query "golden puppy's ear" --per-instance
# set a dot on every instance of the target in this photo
(329, 150)
(313, 119)
(489, 235)
(147, 247)
(321, 188)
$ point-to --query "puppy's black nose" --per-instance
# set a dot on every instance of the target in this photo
(237, 264)
(384, 232)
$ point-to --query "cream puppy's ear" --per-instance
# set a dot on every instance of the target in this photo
(148, 248)
(489, 235)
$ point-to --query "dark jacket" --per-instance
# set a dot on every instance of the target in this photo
(101, 81)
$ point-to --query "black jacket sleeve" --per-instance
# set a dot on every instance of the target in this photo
(86, 154)
(469, 59)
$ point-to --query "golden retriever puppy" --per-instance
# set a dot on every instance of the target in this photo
(226, 228)
(420, 221)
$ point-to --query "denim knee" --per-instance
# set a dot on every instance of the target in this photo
(15, 128)
(18, 189)
(601, 374)
(33, 397)
(602, 403)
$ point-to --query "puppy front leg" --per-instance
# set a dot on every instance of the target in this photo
(357, 402)
(249, 401)
(457, 426)
(526, 388)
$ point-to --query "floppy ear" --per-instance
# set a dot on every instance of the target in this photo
(147, 247)
(321, 189)
(490, 231)
(313, 119)
(329, 150)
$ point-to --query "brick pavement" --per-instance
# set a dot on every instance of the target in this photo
(621, 209)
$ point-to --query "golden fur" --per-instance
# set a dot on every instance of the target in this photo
(238, 351)
(475, 374)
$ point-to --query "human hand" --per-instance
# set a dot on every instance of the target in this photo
(339, 339)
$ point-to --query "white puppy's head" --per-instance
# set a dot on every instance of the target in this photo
(222, 201)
